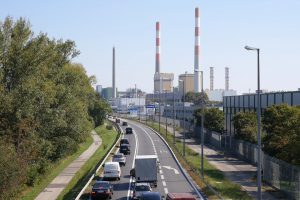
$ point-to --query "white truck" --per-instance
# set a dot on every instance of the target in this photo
(146, 169)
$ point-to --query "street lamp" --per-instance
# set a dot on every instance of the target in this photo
(139, 109)
(202, 122)
(258, 123)
(165, 91)
(174, 115)
(183, 116)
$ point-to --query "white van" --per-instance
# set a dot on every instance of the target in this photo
(112, 170)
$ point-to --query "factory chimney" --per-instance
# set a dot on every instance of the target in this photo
(226, 78)
(157, 56)
(197, 49)
(211, 88)
(114, 75)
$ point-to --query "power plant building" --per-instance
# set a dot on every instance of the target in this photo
(187, 80)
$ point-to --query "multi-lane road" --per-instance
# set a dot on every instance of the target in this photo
(144, 141)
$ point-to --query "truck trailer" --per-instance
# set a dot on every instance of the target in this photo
(146, 169)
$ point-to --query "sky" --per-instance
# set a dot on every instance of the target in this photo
(129, 25)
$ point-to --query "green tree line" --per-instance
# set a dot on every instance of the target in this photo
(47, 104)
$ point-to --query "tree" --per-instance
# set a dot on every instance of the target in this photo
(214, 119)
(245, 124)
(196, 97)
(45, 100)
(282, 124)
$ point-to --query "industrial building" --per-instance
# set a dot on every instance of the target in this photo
(243, 103)
(186, 80)
(107, 93)
(99, 89)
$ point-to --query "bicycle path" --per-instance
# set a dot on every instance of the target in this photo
(58, 184)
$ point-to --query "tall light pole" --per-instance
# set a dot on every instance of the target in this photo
(202, 123)
(160, 88)
(174, 115)
(183, 117)
(258, 124)
(166, 113)
(139, 109)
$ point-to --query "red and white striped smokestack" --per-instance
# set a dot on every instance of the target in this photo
(157, 56)
(197, 52)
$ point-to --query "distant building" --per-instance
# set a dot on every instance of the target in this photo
(163, 82)
(218, 94)
(243, 103)
(107, 93)
(99, 89)
(188, 80)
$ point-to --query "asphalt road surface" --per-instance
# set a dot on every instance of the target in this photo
(145, 142)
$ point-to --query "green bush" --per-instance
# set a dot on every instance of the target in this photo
(245, 124)
(109, 127)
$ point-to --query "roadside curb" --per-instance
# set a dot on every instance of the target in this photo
(103, 161)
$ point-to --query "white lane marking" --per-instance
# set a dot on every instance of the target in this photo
(135, 153)
(162, 177)
(166, 191)
(164, 183)
(160, 171)
(148, 137)
(171, 168)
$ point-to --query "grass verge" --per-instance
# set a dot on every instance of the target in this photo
(213, 178)
(53, 171)
(81, 177)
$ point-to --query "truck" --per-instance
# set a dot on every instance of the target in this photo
(146, 169)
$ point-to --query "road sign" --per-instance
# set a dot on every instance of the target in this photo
(150, 106)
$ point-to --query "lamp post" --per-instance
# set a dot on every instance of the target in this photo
(258, 123)
(166, 113)
(183, 117)
(202, 123)
(174, 115)
(160, 88)
(139, 109)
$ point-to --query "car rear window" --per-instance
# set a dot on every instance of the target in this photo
(118, 156)
(142, 188)
(101, 185)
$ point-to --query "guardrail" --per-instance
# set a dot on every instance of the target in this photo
(103, 161)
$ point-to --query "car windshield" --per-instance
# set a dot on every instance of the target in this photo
(101, 185)
(124, 141)
(151, 197)
(142, 188)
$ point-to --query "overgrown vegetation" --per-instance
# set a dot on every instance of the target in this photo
(196, 97)
(214, 119)
(282, 124)
(245, 124)
(47, 104)
(280, 132)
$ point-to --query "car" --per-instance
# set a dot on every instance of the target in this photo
(128, 130)
(125, 149)
(118, 120)
(124, 141)
(180, 196)
(150, 196)
(125, 124)
(101, 190)
(140, 188)
(112, 170)
(120, 158)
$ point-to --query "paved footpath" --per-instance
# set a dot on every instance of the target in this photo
(235, 170)
(58, 184)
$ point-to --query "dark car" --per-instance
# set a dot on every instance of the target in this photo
(125, 124)
(101, 190)
(125, 149)
(150, 196)
(128, 130)
(124, 141)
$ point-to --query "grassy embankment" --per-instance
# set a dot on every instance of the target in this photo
(54, 170)
(212, 176)
(82, 176)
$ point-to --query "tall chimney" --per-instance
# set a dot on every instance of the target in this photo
(114, 75)
(226, 78)
(211, 88)
(157, 56)
(197, 49)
